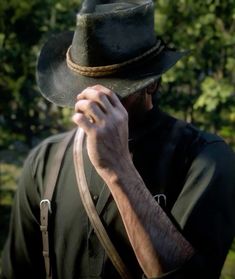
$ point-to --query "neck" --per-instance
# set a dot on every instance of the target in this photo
(137, 107)
(137, 125)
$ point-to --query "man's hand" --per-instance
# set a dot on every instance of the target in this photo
(101, 115)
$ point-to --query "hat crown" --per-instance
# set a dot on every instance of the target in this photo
(112, 33)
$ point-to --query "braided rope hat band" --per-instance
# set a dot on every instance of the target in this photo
(101, 71)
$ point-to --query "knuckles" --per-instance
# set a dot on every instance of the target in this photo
(89, 105)
(98, 95)
(101, 88)
(84, 105)
(95, 93)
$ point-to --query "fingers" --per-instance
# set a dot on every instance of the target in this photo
(97, 106)
(113, 98)
(98, 93)
(90, 109)
(82, 121)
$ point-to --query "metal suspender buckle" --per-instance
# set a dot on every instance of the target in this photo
(44, 203)
(159, 198)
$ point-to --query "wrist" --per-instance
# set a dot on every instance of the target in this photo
(122, 172)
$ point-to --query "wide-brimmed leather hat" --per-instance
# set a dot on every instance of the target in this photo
(114, 44)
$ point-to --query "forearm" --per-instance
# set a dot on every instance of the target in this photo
(158, 245)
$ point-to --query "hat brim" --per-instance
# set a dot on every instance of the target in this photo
(60, 85)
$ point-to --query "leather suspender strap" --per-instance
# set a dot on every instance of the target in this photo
(45, 204)
(91, 210)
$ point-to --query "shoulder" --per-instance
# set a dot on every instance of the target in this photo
(210, 174)
(50, 141)
(184, 143)
(208, 145)
(192, 141)
(207, 150)
(181, 132)
(39, 155)
(38, 164)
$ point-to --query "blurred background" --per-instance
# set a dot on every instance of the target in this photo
(199, 89)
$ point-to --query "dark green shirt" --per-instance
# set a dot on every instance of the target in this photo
(193, 169)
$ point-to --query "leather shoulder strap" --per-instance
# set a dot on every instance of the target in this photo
(91, 210)
(45, 204)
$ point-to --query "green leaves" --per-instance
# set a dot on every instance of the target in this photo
(202, 84)
(24, 26)
(214, 93)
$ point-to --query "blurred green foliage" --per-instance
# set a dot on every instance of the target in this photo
(201, 86)
(199, 89)
(24, 26)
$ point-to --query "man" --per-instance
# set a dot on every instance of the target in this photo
(164, 190)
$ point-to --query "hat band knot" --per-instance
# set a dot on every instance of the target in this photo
(107, 70)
